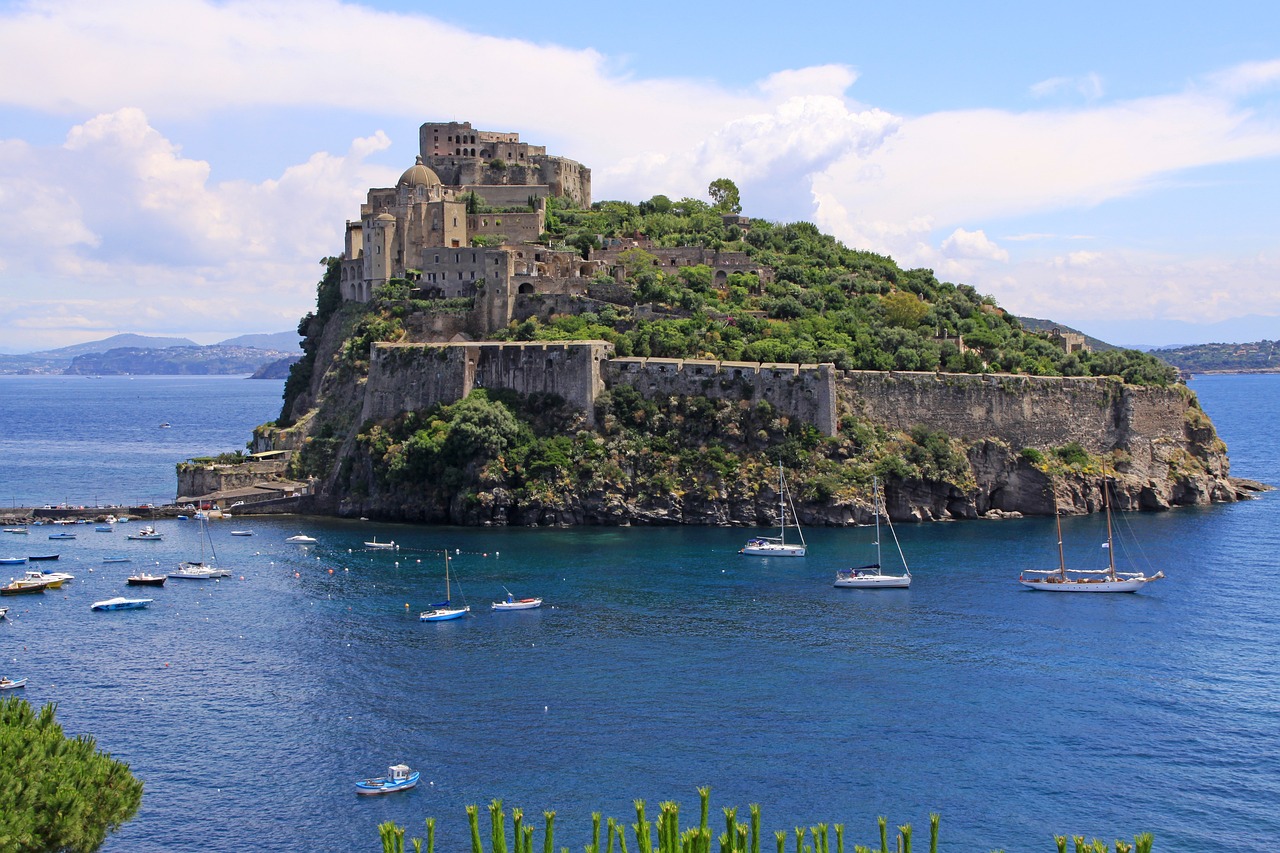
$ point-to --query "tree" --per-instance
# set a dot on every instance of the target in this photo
(724, 196)
(57, 793)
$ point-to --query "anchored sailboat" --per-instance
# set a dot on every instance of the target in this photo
(445, 610)
(1087, 580)
(872, 576)
(776, 546)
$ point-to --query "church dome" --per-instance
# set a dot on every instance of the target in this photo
(418, 175)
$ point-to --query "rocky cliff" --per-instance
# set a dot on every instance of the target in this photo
(667, 441)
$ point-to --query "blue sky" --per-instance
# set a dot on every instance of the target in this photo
(180, 166)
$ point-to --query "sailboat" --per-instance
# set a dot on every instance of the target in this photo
(445, 610)
(872, 576)
(1087, 580)
(201, 571)
(776, 546)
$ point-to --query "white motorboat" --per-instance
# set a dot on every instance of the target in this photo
(513, 603)
(302, 539)
(380, 546)
(145, 534)
(121, 603)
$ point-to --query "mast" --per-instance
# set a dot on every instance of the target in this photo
(1062, 560)
(1106, 502)
(782, 509)
(875, 490)
(447, 596)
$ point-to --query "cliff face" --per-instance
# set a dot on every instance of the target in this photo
(1017, 444)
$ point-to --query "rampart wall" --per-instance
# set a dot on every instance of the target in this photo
(412, 377)
(1150, 424)
(800, 391)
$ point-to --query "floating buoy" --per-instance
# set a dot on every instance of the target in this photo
(331, 571)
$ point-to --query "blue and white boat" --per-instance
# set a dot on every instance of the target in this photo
(12, 561)
(103, 528)
(62, 536)
(444, 611)
(121, 603)
(399, 778)
(146, 534)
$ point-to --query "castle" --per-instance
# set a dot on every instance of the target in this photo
(465, 222)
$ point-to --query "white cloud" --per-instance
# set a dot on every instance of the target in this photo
(1088, 86)
(973, 245)
(116, 230)
(118, 225)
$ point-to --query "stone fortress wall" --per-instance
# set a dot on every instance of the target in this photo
(1021, 411)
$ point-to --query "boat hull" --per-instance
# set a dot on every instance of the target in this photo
(443, 614)
(146, 580)
(874, 582)
(773, 550)
(1107, 585)
(522, 604)
(373, 787)
(27, 589)
(120, 604)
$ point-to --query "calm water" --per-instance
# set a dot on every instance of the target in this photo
(663, 661)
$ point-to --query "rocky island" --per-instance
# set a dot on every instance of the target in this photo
(491, 347)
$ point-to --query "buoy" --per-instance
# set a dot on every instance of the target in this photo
(331, 571)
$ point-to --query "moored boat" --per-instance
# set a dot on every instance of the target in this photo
(145, 534)
(1063, 579)
(242, 533)
(114, 559)
(53, 581)
(776, 546)
(302, 539)
(35, 558)
(399, 778)
(872, 576)
(444, 611)
(121, 603)
(12, 561)
(12, 684)
(62, 536)
(145, 579)
(380, 546)
(22, 587)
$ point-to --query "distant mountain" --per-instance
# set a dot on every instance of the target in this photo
(268, 348)
(173, 361)
(286, 342)
(276, 369)
(1035, 325)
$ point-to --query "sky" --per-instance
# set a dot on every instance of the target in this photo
(180, 167)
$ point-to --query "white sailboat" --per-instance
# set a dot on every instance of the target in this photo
(1087, 580)
(776, 546)
(445, 610)
(872, 576)
(190, 570)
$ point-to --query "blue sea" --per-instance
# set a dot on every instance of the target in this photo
(661, 661)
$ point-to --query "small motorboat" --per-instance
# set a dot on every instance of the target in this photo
(144, 579)
(12, 561)
(12, 684)
(399, 778)
(56, 576)
(62, 536)
(103, 528)
(22, 586)
(16, 530)
(242, 533)
(380, 546)
(35, 558)
(146, 534)
(302, 539)
(121, 603)
(513, 603)
(116, 560)
(53, 581)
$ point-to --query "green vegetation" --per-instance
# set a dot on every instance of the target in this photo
(1203, 358)
(57, 793)
(736, 837)
(684, 449)
(825, 303)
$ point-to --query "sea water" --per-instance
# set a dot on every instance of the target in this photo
(663, 660)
